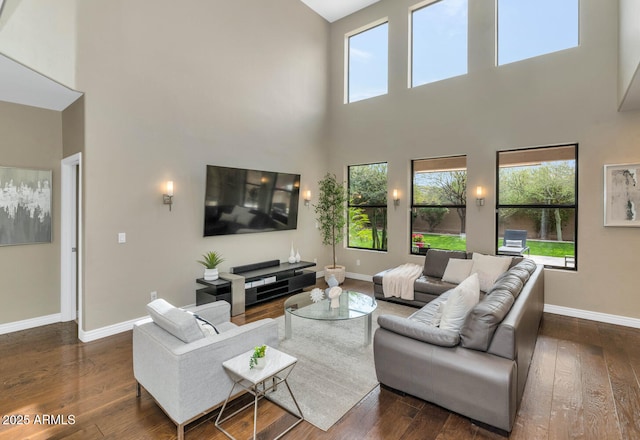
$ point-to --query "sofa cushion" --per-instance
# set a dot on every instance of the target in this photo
(431, 314)
(419, 330)
(459, 302)
(482, 321)
(178, 322)
(489, 268)
(509, 282)
(435, 262)
(431, 285)
(457, 270)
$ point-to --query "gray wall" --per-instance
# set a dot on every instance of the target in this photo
(31, 138)
(241, 84)
(567, 96)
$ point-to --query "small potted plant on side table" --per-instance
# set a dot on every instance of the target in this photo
(258, 357)
(210, 261)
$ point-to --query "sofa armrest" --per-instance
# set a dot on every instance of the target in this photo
(419, 331)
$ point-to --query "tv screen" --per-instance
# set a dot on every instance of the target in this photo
(239, 201)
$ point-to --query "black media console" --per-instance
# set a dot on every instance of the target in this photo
(263, 281)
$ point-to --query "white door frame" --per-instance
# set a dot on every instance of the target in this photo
(70, 231)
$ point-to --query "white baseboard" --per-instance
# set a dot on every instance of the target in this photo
(30, 323)
(359, 276)
(593, 316)
(110, 330)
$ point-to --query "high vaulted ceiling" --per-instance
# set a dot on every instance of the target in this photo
(333, 10)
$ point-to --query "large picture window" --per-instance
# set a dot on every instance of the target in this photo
(537, 192)
(438, 41)
(367, 221)
(367, 63)
(439, 204)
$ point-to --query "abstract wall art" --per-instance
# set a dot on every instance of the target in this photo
(25, 206)
(622, 195)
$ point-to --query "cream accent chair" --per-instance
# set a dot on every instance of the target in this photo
(181, 366)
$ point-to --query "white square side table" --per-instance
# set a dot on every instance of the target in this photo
(277, 369)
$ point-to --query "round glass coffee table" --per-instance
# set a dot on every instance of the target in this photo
(352, 305)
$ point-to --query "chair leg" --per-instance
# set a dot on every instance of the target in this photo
(180, 431)
(137, 389)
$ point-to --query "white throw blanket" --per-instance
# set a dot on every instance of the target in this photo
(399, 281)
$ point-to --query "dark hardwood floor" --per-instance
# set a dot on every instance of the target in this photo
(583, 384)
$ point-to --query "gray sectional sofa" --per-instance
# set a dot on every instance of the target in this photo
(429, 285)
(479, 371)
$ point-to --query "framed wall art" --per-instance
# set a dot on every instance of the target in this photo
(622, 195)
(25, 206)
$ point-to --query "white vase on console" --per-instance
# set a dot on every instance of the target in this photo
(292, 255)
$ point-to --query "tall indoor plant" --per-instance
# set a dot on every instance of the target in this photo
(331, 217)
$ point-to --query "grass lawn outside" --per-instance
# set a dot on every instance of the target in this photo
(537, 247)
(543, 248)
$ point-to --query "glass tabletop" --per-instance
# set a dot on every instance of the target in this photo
(352, 305)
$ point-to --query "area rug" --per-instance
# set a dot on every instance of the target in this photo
(334, 370)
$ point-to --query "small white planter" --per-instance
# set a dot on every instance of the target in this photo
(260, 363)
(210, 274)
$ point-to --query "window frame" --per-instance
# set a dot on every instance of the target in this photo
(573, 206)
(347, 58)
(413, 206)
(374, 206)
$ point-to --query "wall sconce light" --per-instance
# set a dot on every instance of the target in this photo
(307, 198)
(479, 196)
(396, 198)
(167, 198)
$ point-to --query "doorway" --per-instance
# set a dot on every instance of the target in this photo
(71, 240)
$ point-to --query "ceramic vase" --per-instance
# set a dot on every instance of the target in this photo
(210, 274)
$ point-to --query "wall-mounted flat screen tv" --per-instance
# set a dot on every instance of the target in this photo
(240, 201)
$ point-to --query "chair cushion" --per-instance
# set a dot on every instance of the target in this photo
(178, 322)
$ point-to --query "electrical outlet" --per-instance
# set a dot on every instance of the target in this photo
(357, 262)
(154, 295)
(315, 260)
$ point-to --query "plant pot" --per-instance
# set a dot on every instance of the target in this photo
(338, 271)
(260, 363)
(210, 274)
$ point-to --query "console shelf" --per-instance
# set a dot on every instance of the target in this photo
(262, 282)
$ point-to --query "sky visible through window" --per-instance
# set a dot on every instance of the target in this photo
(528, 28)
(439, 41)
(368, 63)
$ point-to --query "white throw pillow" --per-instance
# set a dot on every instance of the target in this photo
(459, 303)
(457, 270)
(178, 322)
(489, 268)
(513, 243)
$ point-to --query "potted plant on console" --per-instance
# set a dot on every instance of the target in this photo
(210, 261)
(331, 216)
